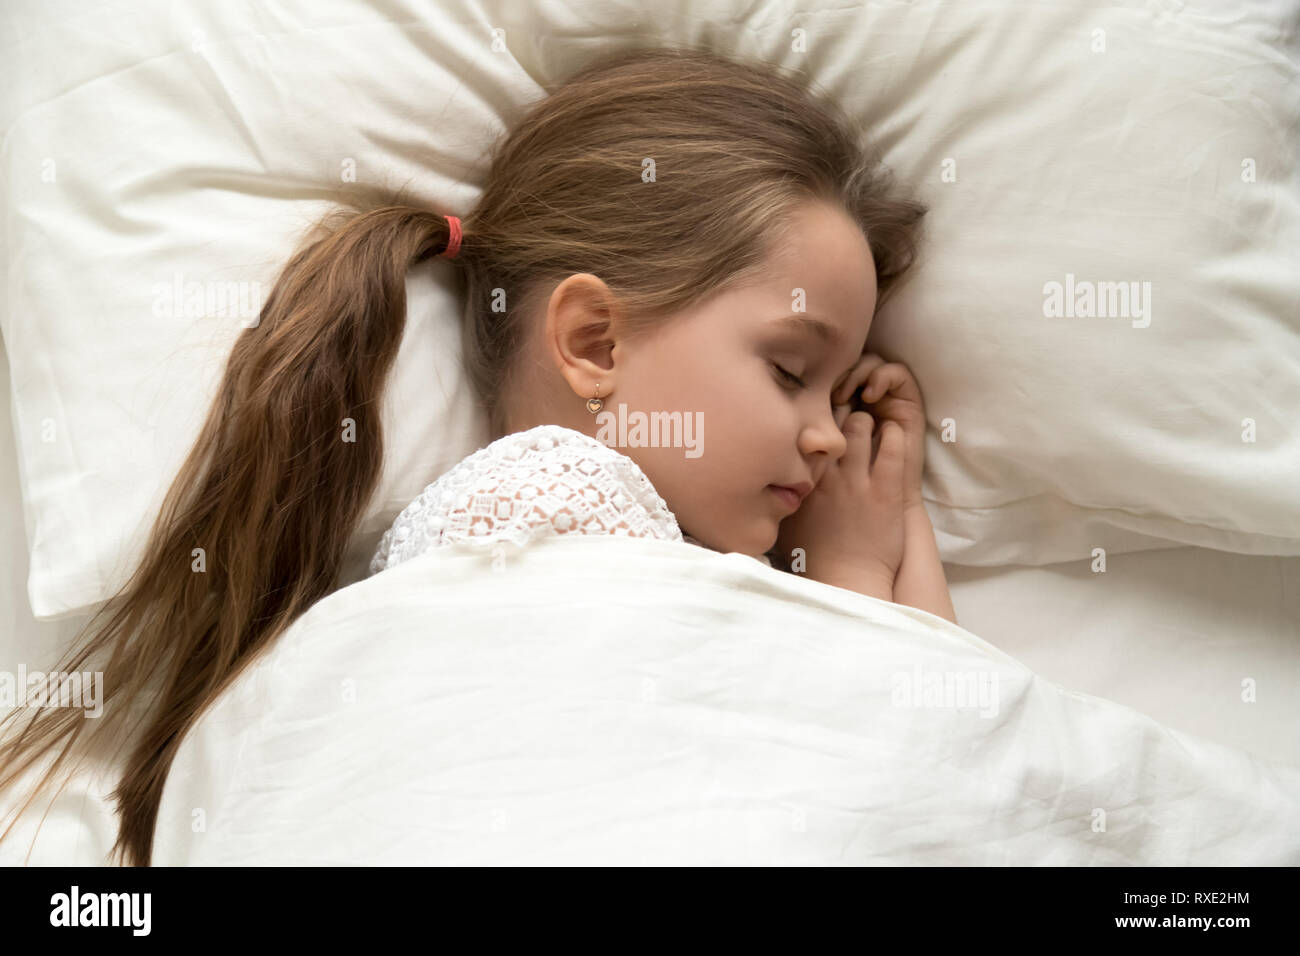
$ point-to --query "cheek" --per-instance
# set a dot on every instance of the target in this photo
(742, 424)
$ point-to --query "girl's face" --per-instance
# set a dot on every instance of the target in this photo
(719, 365)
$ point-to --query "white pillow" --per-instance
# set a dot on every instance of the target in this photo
(181, 140)
(182, 145)
(1168, 160)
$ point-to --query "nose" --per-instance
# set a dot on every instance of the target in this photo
(822, 435)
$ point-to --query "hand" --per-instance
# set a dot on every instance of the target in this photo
(851, 525)
(892, 394)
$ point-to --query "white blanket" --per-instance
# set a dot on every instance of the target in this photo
(633, 701)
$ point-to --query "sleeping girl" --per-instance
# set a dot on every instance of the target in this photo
(668, 231)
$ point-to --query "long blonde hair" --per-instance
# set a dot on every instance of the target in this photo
(668, 173)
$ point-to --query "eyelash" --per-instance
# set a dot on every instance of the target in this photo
(790, 377)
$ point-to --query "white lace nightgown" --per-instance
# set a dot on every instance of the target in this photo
(531, 484)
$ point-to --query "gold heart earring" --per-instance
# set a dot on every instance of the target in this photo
(595, 404)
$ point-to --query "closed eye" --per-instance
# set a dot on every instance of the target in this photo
(796, 380)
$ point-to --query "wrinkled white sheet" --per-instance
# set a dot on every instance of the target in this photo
(616, 700)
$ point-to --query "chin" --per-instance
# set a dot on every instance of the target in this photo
(765, 544)
(756, 544)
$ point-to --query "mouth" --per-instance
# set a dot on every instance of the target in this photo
(788, 496)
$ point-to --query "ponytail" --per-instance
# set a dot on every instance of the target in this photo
(255, 527)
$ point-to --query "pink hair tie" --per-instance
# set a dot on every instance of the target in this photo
(453, 240)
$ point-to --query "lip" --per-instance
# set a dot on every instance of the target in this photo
(791, 498)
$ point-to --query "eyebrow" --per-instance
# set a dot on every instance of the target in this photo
(806, 323)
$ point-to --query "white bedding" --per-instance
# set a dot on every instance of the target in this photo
(1164, 636)
(675, 705)
(1175, 633)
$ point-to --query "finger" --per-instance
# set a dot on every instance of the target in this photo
(882, 378)
(856, 377)
(888, 468)
(891, 378)
(860, 421)
(857, 455)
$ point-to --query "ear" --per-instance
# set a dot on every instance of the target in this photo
(582, 320)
